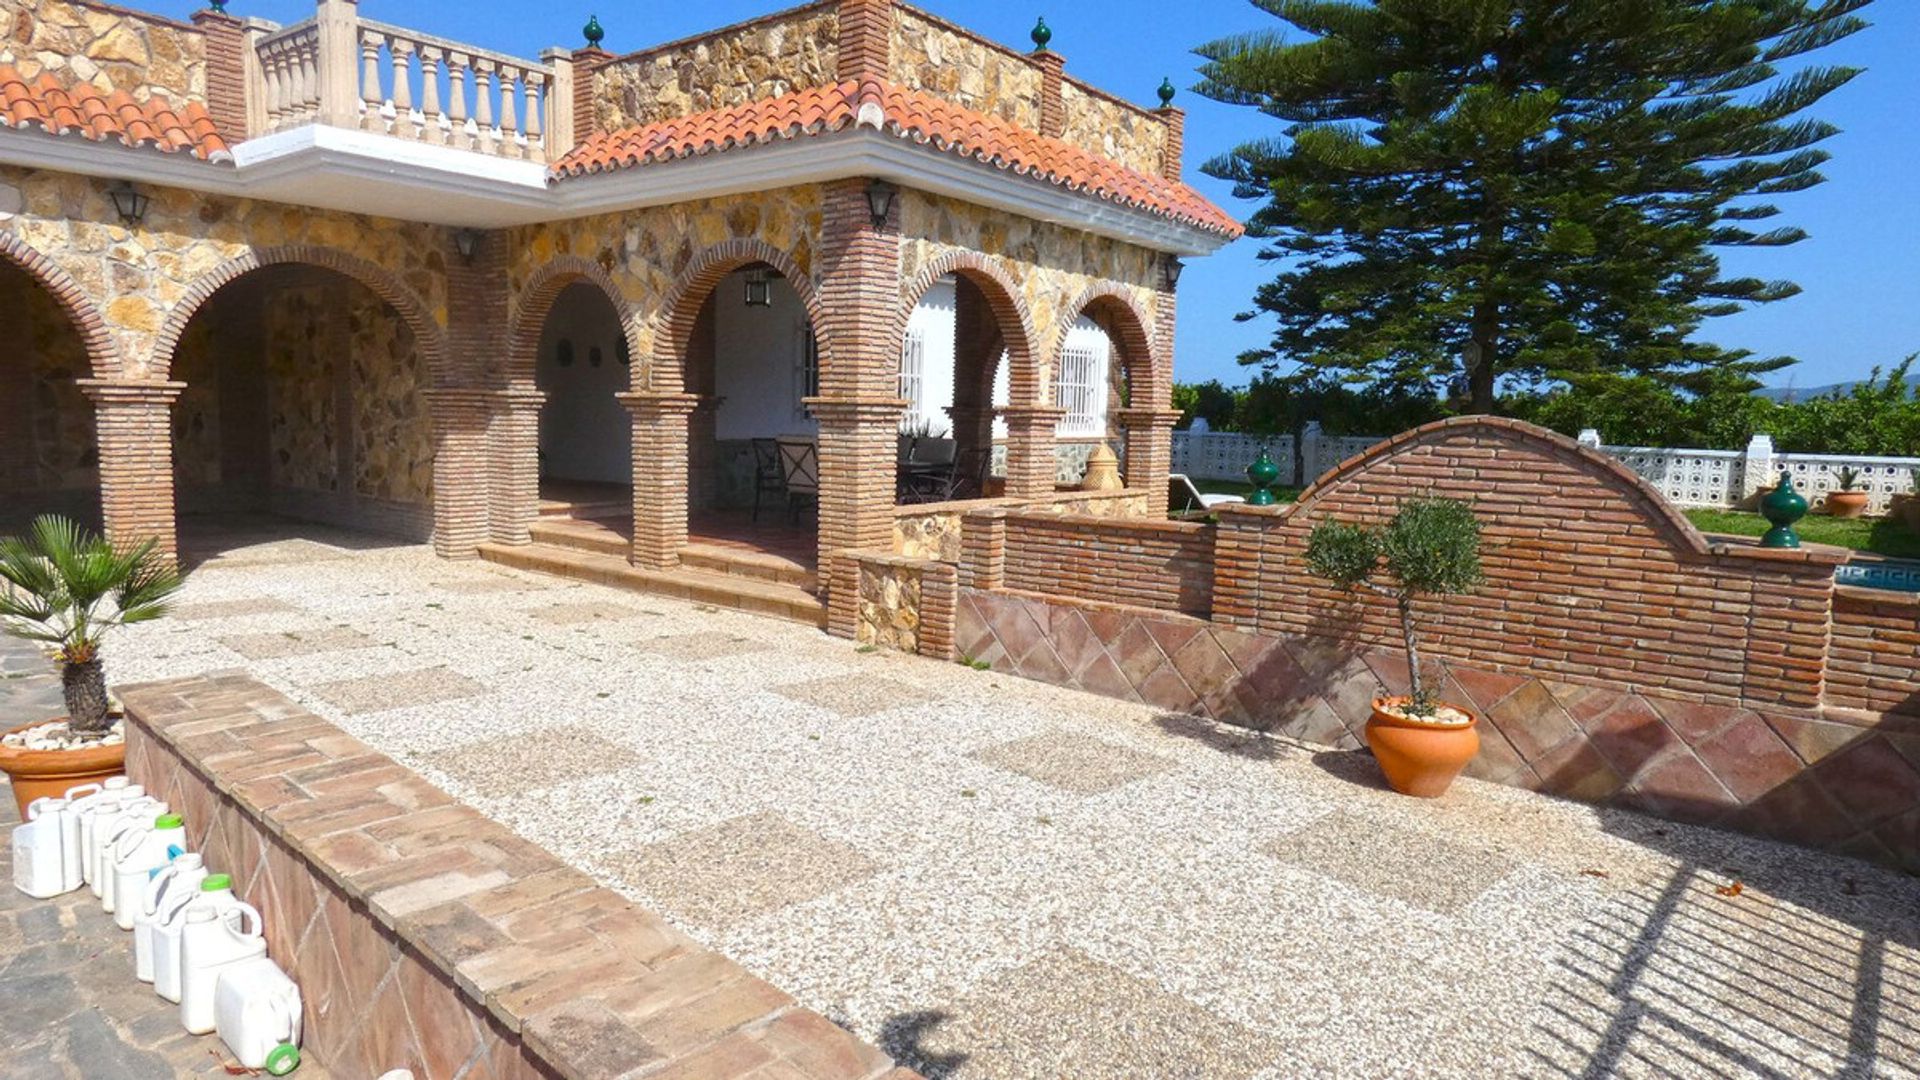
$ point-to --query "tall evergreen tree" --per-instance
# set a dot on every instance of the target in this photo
(1472, 190)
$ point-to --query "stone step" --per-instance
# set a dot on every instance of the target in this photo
(781, 601)
(574, 535)
(600, 538)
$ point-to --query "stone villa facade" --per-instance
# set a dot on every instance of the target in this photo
(350, 238)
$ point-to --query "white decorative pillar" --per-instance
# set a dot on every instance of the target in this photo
(1589, 438)
(1759, 471)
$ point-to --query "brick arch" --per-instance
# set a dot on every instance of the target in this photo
(1010, 313)
(1634, 490)
(689, 294)
(1124, 320)
(103, 353)
(537, 297)
(427, 333)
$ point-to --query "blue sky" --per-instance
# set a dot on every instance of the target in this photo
(1861, 304)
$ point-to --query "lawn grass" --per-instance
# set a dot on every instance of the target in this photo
(1881, 536)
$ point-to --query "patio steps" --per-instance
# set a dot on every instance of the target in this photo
(603, 538)
(739, 592)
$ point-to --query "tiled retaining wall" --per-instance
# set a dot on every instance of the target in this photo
(425, 936)
(1845, 782)
(1617, 655)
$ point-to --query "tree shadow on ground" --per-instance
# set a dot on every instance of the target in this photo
(903, 1037)
(1228, 739)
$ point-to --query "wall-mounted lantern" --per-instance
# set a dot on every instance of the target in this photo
(466, 242)
(880, 201)
(759, 288)
(129, 202)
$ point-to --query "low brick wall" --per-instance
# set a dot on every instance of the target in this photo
(425, 936)
(1874, 661)
(1840, 782)
(1159, 564)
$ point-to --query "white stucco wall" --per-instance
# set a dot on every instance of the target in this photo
(585, 433)
(759, 353)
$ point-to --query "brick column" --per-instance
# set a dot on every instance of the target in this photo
(866, 39)
(659, 475)
(1053, 109)
(1149, 445)
(586, 62)
(939, 610)
(1030, 461)
(513, 482)
(132, 424)
(1238, 551)
(983, 550)
(859, 405)
(226, 40)
(1170, 158)
(462, 422)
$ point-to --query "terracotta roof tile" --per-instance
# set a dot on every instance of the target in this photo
(909, 114)
(85, 110)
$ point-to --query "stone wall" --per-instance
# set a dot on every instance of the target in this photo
(111, 47)
(425, 937)
(934, 55)
(767, 57)
(1113, 129)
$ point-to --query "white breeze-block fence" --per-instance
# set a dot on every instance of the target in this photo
(1707, 478)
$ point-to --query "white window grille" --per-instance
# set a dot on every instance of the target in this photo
(807, 377)
(1080, 386)
(913, 377)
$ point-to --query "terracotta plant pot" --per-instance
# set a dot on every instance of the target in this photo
(1420, 759)
(38, 773)
(1846, 504)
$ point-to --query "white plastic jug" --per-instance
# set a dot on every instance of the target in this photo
(170, 890)
(39, 849)
(137, 815)
(139, 854)
(256, 1009)
(215, 895)
(209, 942)
(94, 809)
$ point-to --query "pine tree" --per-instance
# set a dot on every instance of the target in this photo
(1475, 193)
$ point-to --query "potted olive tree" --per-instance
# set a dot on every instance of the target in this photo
(65, 587)
(1430, 548)
(1849, 501)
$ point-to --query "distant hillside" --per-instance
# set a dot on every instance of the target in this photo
(1803, 393)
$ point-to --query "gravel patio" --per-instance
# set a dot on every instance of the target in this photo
(995, 878)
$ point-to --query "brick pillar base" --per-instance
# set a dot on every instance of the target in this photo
(1030, 464)
(858, 458)
(513, 497)
(461, 469)
(660, 425)
(132, 423)
(1149, 442)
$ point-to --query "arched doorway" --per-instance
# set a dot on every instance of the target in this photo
(305, 398)
(1104, 362)
(49, 456)
(586, 434)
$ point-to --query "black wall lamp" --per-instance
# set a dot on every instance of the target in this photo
(880, 196)
(759, 289)
(129, 202)
(466, 242)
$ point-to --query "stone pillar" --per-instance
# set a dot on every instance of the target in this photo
(1760, 473)
(1030, 458)
(559, 104)
(858, 461)
(226, 39)
(659, 475)
(513, 486)
(1149, 446)
(132, 425)
(462, 422)
(337, 25)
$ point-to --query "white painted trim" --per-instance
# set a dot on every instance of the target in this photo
(365, 172)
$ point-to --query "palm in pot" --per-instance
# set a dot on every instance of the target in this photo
(66, 587)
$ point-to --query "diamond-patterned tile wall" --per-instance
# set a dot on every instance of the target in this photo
(1815, 781)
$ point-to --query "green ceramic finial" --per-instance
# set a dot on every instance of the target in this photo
(219, 6)
(1166, 92)
(1783, 506)
(1264, 473)
(592, 31)
(1042, 33)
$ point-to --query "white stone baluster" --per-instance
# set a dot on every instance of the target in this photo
(536, 150)
(276, 88)
(457, 64)
(309, 83)
(371, 98)
(483, 104)
(509, 146)
(402, 88)
(430, 94)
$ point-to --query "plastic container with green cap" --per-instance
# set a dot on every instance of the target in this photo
(139, 852)
(257, 1013)
(215, 894)
(282, 1060)
(217, 883)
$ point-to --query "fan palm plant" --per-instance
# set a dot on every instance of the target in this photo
(66, 587)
